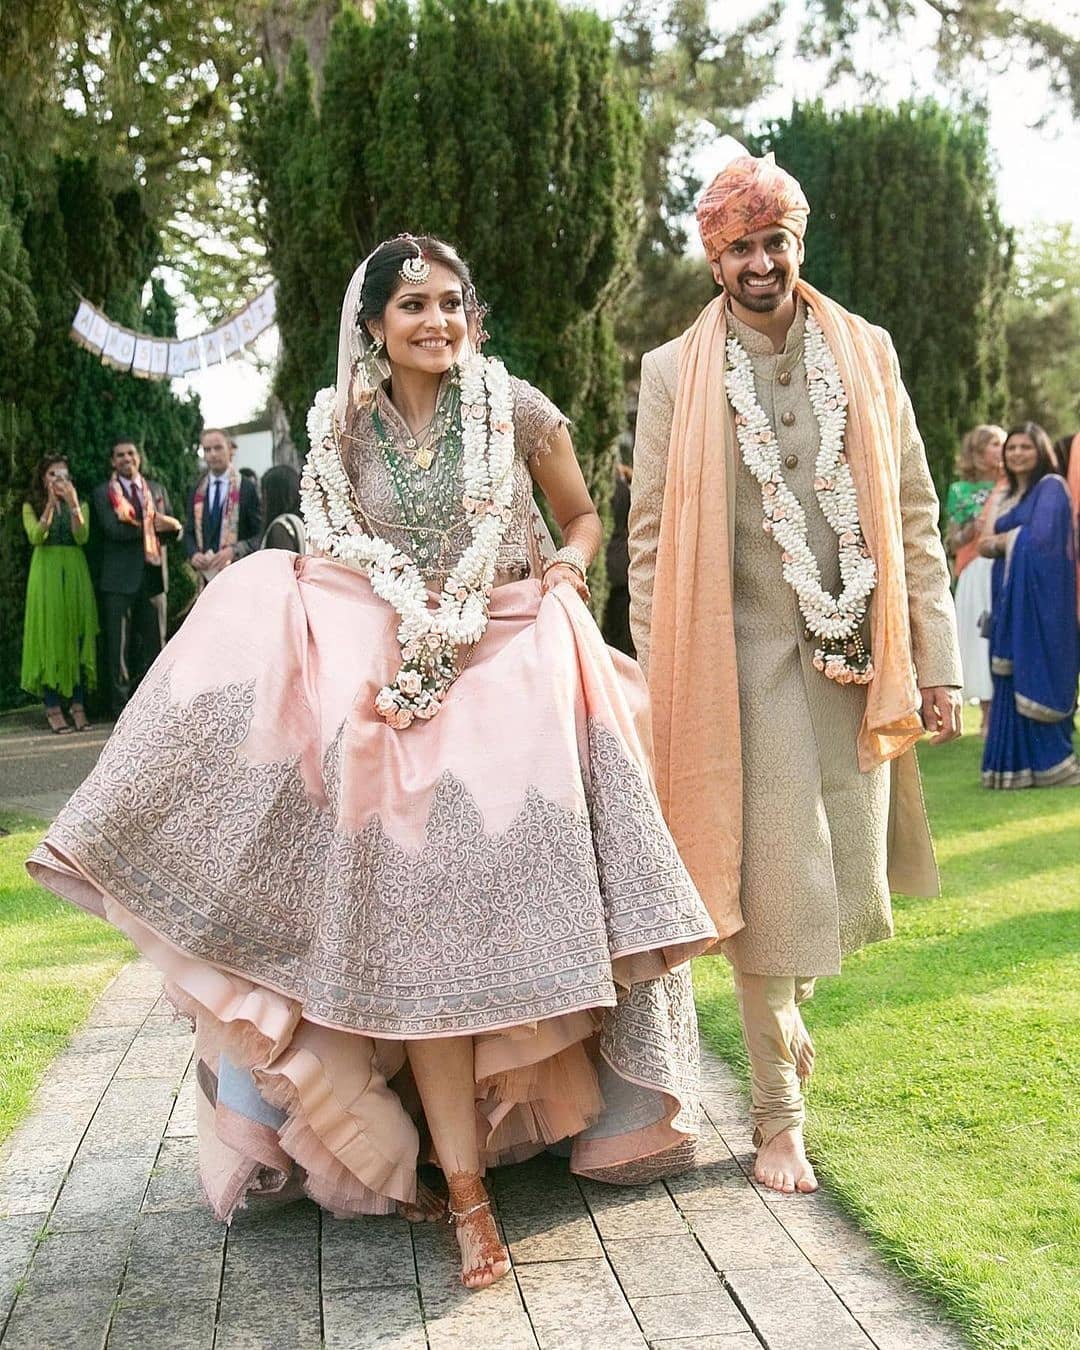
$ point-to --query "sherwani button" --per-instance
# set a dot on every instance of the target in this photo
(788, 419)
(792, 461)
(784, 377)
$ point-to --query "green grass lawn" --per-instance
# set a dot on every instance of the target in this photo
(945, 1109)
(54, 962)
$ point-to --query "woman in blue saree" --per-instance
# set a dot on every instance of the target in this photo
(1034, 636)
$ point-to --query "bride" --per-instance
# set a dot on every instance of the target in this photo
(384, 816)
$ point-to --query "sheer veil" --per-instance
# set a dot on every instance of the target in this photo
(358, 371)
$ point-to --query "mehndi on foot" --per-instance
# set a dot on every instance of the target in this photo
(484, 1259)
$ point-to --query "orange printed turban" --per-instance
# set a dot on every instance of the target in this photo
(749, 194)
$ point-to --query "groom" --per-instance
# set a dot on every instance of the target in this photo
(789, 600)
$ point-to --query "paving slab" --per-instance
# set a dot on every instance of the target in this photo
(104, 1166)
(578, 1305)
(375, 1319)
(366, 1253)
(18, 1239)
(163, 1327)
(703, 1313)
(175, 1256)
(653, 1266)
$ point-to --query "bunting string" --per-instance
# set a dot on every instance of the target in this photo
(153, 358)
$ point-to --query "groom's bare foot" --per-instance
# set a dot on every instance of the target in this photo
(802, 1047)
(783, 1166)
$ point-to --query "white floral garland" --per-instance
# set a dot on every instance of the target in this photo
(429, 637)
(834, 620)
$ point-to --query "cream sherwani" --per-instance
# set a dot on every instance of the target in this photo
(821, 840)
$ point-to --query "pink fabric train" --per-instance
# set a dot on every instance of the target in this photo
(317, 887)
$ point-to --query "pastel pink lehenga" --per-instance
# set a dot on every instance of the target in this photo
(317, 887)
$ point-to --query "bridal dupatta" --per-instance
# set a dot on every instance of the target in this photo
(693, 680)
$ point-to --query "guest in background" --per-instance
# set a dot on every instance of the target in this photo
(60, 627)
(1034, 638)
(132, 513)
(281, 508)
(246, 472)
(224, 523)
(978, 467)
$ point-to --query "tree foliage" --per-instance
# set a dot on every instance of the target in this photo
(60, 229)
(693, 77)
(152, 94)
(969, 36)
(905, 230)
(504, 127)
(1043, 332)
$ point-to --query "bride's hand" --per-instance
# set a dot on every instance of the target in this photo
(560, 572)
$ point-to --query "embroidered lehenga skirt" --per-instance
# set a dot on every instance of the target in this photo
(318, 888)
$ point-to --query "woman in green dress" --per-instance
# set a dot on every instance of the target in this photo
(59, 655)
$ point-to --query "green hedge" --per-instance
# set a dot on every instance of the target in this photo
(905, 230)
(64, 229)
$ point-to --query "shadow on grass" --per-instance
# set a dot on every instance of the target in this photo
(930, 969)
(1006, 861)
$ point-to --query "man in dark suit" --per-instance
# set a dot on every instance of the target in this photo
(132, 514)
(224, 517)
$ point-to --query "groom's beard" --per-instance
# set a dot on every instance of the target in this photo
(763, 300)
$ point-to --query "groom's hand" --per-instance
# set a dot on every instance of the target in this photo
(942, 713)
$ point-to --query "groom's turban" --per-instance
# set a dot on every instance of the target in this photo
(748, 195)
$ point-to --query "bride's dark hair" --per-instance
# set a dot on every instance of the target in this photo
(383, 276)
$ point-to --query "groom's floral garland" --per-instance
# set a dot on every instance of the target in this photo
(429, 636)
(833, 620)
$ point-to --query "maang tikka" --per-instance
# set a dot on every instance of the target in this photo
(416, 270)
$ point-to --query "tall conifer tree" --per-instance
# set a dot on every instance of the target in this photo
(63, 227)
(905, 230)
(505, 127)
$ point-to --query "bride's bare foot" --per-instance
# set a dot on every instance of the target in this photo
(428, 1208)
(483, 1257)
(802, 1047)
(782, 1164)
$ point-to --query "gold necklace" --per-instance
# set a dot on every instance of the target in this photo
(423, 448)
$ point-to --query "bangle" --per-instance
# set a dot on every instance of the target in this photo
(569, 557)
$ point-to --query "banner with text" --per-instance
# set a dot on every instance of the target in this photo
(153, 358)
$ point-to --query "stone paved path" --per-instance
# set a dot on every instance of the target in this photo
(39, 771)
(104, 1241)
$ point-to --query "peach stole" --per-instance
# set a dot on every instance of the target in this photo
(693, 676)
